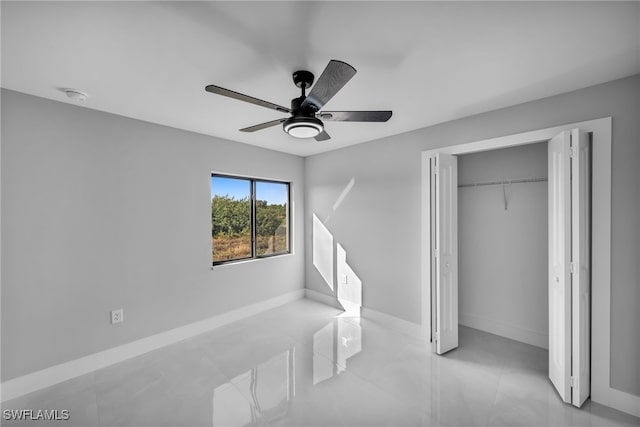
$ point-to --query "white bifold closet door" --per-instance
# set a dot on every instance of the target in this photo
(569, 265)
(444, 250)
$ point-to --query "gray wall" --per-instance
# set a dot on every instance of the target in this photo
(502, 282)
(378, 221)
(101, 212)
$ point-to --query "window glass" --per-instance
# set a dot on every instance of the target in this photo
(271, 218)
(230, 218)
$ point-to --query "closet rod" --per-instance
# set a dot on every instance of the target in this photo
(513, 181)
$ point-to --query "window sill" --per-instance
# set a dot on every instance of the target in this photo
(249, 260)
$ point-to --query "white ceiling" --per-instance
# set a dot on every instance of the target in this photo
(429, 62)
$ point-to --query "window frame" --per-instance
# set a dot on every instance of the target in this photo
(253, 229)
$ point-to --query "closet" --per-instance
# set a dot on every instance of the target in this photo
(490, 269)
(502, 241)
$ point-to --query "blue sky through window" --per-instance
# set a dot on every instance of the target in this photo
(272, 192)
(236, 188)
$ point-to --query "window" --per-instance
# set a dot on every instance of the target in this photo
(249, 218)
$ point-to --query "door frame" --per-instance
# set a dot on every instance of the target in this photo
(600, 129)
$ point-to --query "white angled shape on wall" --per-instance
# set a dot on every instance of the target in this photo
(349, 290)
(323, 251)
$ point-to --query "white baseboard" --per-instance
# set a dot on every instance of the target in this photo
(620, 400)
(322, 298)
(65, 371)
(391, 322)
(399, 325)
(515, 333)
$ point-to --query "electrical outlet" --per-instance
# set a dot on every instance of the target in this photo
(117, 316)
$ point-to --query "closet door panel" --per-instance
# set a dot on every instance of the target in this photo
(559, 262)
(446, 252)
(581, 259)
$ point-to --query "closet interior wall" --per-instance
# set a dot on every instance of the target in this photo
(503, 239)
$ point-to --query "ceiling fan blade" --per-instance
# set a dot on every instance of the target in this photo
(322, 136)
(355, 116)
(246, 98)
(332, 79)
(263, 125)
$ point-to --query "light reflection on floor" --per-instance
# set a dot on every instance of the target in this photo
(263, 394)
(259, 396)
(333, 345)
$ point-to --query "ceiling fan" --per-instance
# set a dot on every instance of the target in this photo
(306, 118)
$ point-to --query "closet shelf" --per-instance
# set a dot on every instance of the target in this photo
(512, 181)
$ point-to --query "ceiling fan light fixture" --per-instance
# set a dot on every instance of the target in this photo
(303, 127)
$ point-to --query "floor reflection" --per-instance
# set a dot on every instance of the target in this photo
(264, 393)
(333, 345)
(259, 396)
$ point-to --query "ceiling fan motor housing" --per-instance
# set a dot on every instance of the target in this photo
(298, 109)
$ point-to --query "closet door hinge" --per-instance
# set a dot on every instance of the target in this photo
(572, 381)
(571, 152)
(437, 336)
(571, 268)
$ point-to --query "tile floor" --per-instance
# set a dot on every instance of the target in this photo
(303, 365)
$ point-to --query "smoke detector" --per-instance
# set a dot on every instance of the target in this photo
(76, 95)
